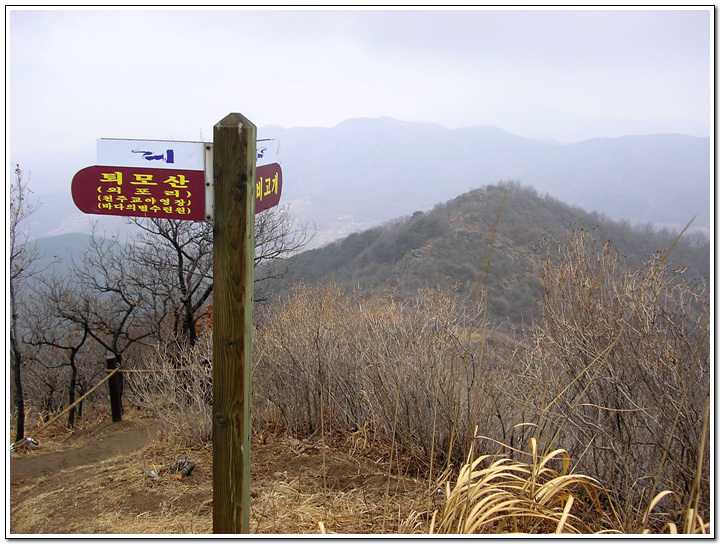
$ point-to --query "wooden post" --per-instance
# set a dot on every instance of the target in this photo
(234, 155)
(115, 388)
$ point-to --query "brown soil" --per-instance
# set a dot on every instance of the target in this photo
(93, 483)
(108, 440)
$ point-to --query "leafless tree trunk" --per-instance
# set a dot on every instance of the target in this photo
(23, 258)
(107, 300)
(176, 257)
(47, 329)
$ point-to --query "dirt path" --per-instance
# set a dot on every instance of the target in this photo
(95, 482)
(91, 446)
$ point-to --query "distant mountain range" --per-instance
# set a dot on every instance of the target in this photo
(364, 172)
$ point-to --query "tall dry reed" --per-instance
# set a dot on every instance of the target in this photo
(619, 371)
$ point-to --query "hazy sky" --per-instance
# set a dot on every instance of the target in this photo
(75, 75)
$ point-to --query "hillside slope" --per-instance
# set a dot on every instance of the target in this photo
(448, 245)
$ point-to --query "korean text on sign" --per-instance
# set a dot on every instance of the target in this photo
(140, 192)
(268, 186)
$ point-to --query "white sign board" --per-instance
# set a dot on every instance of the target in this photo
(169, 154)
(151, 154)
(267, 151)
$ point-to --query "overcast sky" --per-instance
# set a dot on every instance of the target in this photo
(75, 75)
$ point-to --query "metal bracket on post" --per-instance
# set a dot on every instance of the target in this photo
(209, 183)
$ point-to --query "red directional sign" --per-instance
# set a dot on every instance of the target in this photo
(160, 193)
(140, 192)
(268, 186)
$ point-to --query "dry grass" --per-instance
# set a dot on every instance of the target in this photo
(58, 436)
(178, 390)
(497, 495)
(339, 485)
(109, 497)
(293, 491)
(402, 370)
(618, 373)
(494, 494)
(344, 491)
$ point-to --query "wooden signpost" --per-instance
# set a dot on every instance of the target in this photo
(233, 251)
(232, 191)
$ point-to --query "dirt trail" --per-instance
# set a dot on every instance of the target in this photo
(92, 446)
(95, 482)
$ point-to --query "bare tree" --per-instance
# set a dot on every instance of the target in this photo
(175, 260)
(48, 328)
(23, 258)
(108, 299)
(279, 235)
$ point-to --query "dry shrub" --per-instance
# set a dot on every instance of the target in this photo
(400, 370)
(615, 371)
(619, 371)
(177, 388)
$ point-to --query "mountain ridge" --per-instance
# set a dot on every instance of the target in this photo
(448, 245)
(365, 171)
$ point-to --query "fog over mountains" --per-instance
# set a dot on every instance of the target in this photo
(366, 171)
(363, 172)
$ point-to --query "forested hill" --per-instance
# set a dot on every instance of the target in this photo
(448, 244)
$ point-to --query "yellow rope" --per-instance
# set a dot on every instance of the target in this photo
(53, 420)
